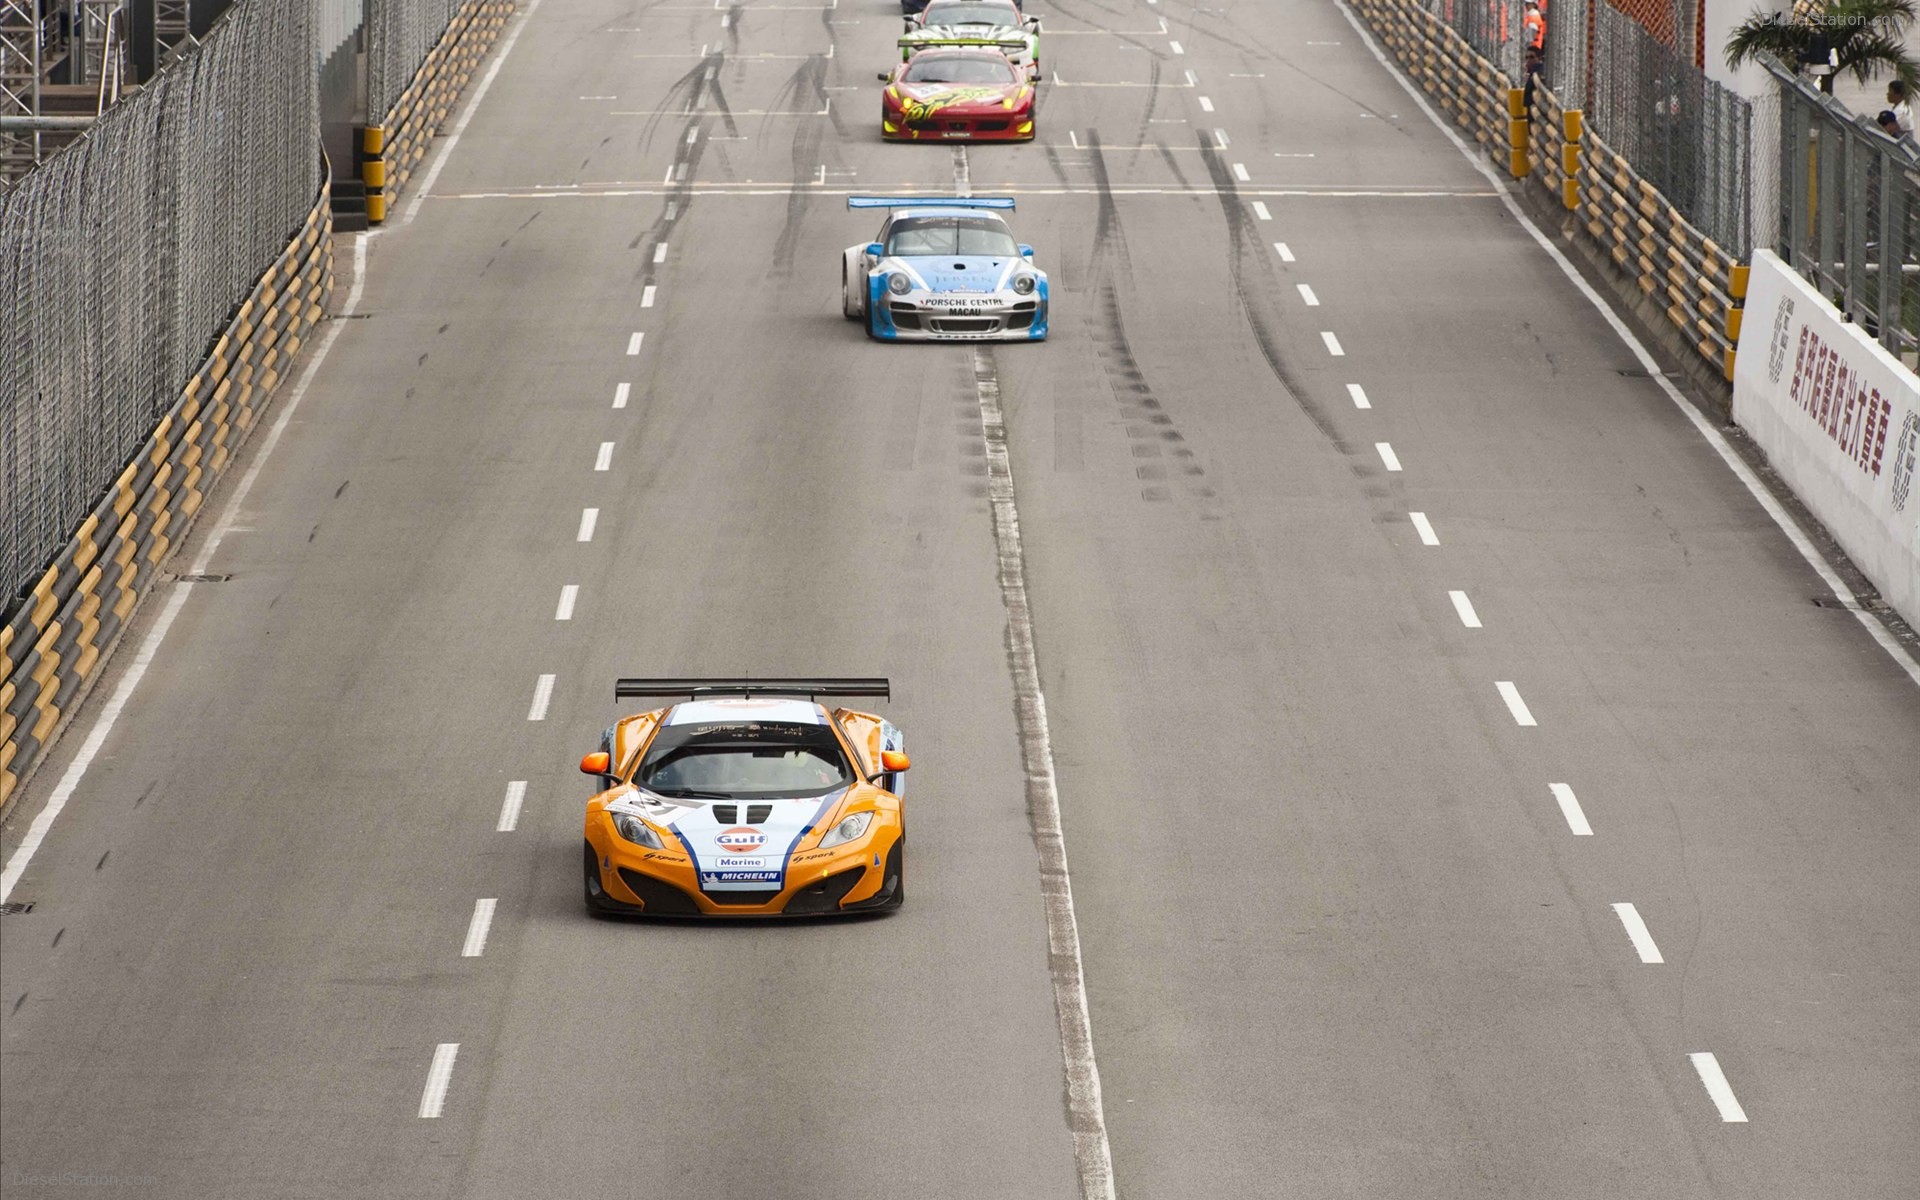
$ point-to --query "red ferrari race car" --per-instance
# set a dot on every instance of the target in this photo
(948, 93)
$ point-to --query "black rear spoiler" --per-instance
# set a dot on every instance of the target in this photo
(812, 689)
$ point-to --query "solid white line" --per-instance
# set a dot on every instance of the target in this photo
(1427, 536)
(1515, 704)
(633, 344)
(123, 691)
(1333, 343)
(510, 807)
(1571, 810)
(620, 395)
(1637, 933)
(1176, 47)
(1306, 294)
(1387, 455)
(542, 696)
(646, 296)
(1260, 210)
(603, 460)
(1220, 140)
(1240, 173)
(1708, 1068)
(460, 126)
(1206, 105)
(1706, 430)
(568, 595)
(439, 1075)
(588, 518)
(477, 928)
(1359, 396)
(660, 253)
(1285, 254)
(1464, 607)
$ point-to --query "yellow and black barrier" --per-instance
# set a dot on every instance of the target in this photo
(1677, 269)
(51, 647)
(391, 149)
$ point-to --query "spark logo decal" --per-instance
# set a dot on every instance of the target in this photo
(916, 111)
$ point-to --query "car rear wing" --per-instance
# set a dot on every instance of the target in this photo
(930, 38)
(811, 688)
(1000, 202)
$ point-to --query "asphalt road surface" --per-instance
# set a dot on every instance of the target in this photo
(1341, 927)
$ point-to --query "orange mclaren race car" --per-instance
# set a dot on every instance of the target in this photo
(949, 93)
(749, 798)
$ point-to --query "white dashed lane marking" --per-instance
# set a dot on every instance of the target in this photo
(1518, 707)
(1206, 105)
(510, 807)
(1464, 607)
(1638, 934)
(646, 296)
(1260, 210)
(589, 517)
(568, 594)
(1387, 455)
(1359, 395)
(542, 696)
(1333, 343)
(1708, 1068)
(1571, 810)
(1176, 47)
(1221, 141)
(1307, 296)
(633, 345)
(620, 395)
(1425, 528)
(660, 253)
(439, 1075)
(604, 460)
(1281, 249)
(477, 928)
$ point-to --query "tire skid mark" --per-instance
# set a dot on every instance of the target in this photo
(1159, 448)
(1255, 305)
(810, 80)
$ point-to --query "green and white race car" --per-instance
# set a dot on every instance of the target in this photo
(996, 23)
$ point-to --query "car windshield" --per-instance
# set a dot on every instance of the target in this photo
(950, 235)
(966, 12)
(713, 760)
(958, 68)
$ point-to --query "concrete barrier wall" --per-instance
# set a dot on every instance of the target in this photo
(51, 649)
(392, 149)
(1839, 418)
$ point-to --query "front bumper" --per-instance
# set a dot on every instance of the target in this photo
(918, 317)
(861, 875)
(999, 126)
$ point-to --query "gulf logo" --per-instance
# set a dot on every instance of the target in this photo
(740, 840)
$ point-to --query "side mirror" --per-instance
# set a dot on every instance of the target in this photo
(884, 76)
(894, 760)
(597, 763)
(1026, 251)
(1033, 24)
(876, 250)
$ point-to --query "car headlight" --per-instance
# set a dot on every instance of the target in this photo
(847, 830)
(1024, 284)
(636, 831)
(899, 285)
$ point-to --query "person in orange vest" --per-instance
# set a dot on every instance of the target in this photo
(1536, 26)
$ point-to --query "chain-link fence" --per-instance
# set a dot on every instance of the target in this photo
(1849, 212)
(1688, 136)
(399, 35)
(123, 257)
(1496, 29)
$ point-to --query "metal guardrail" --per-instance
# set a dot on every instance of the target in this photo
(51, 646)
(122, 258)
(393, 145)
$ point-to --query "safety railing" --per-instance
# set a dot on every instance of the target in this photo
(392, 148)
(51, 646)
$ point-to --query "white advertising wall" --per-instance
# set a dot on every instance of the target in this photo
(1839, 418)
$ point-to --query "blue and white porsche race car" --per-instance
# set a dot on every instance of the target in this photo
(944, 268)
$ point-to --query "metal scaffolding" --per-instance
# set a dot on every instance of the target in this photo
(62, 63)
